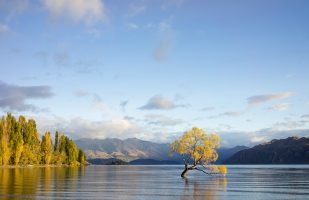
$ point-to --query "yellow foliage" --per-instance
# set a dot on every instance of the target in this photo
(222, 170)
(199, 146)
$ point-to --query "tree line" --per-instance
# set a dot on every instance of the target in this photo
(20, 144)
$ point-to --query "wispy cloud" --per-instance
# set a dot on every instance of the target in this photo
(61, 58)
(279, 107)
(13, 8)
(260, 99)
(123, 104)
(99, 103)
(166, 37)
(136, 9)
(207, 109)
(86, 11)
(81, 93)
(161, 120)
(305, 116)
(14, 97)
(4, 28)
(171, 3)
(158, 102)
(132, 25)
(231, 114)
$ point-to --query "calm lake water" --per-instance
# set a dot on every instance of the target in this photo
(154, 182)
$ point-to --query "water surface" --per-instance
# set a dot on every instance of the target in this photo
(154, 182)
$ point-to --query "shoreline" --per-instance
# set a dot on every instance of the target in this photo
(40, 166)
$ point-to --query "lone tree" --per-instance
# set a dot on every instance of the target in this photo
(198, 150)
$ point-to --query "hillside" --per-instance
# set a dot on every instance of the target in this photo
(291, 150)
(126, 150)
(101, 151)
(225, 153)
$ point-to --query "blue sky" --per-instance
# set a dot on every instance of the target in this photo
(153, 69)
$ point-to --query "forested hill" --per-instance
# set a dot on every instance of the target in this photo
(292, 150)
(20, 144)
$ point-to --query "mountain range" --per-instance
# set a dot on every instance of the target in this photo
(136, 151)
(292, 150)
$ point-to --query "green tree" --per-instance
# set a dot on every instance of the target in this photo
(81, 156)
(56, 146)
(4, 147)
(46, 148)
(198, 149)
(72, 151)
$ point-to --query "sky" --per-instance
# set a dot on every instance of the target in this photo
(155, 69)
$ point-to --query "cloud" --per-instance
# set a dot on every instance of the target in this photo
(132, 25)
(81, 93)
(158, 102)
(259, 99)
(305, 116)
(166, 37)
(62, 58)
(257, 139)
(14, 97)
(123, 104)
(161, 120)
(171, 3)
(86, 11)
(135, 9)
(207, 109)
(233, 138)
(99, 103)
(231, 114)
(13, 8)
(290, 124)
(279, 107)
(4, 28)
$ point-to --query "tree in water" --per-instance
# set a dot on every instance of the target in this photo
(198, 150)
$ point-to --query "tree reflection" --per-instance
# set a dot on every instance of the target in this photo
(19, 183)
(211, 189)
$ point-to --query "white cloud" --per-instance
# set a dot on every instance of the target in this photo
(115, 128)
(158, 102)
(135, 9)
(4, 28)
(13, 8)
(207, 109)
(232, 114)
(171, 3)
(257, 139)
(132, 25)
(87, 11)
(161, 120)
(259, 99)
(279, 107)
(81, 93)
(166, 37)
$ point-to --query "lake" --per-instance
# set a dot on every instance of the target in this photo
(154, 182)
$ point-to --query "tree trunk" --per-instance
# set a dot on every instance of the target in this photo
(183, 174)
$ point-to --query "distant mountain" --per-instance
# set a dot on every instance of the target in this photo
(292, 150)
(225, 153)
(135, 151)
(126, 150)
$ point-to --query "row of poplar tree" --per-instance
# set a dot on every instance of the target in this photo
(20, 144)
